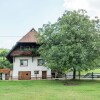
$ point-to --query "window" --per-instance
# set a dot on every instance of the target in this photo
(36, 72)
(24, 62)
(40, 62)
(27, 48)
(21, 47)
(24, 47)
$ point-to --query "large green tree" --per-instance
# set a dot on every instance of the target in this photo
(71, 43)
(4, 63)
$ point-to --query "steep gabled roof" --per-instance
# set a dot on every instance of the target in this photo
(29, 37)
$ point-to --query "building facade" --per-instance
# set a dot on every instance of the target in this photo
(27, 63)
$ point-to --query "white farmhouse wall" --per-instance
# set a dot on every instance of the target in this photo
(32, 66)
(3, 76)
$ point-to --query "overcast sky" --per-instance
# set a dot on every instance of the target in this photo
(17, 17)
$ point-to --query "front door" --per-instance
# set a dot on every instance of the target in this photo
(44, 74)
(24, 75)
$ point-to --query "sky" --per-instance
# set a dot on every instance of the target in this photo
(17, 17)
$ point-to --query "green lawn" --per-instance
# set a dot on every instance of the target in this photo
(90, 71)
(49, 90)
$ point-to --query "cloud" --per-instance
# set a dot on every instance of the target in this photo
(92, 6)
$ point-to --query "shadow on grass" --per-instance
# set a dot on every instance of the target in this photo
(79, 82)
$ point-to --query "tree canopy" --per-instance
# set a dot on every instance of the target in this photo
(4, 63)
(71, 43)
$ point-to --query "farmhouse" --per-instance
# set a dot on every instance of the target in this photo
(27, 63)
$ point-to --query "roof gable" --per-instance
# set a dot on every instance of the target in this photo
(29, 37)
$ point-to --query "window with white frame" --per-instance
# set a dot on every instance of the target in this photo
(36, 72)
(40, 62)
(24, 62)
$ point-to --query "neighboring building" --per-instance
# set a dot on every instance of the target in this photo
(27, 63)
(4, 74)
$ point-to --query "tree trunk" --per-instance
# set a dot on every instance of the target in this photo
(79, 74)
(74, 73)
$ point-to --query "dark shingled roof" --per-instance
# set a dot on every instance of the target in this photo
(29, 37)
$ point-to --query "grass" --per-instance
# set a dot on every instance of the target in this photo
(90, 71)
(49, 90)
